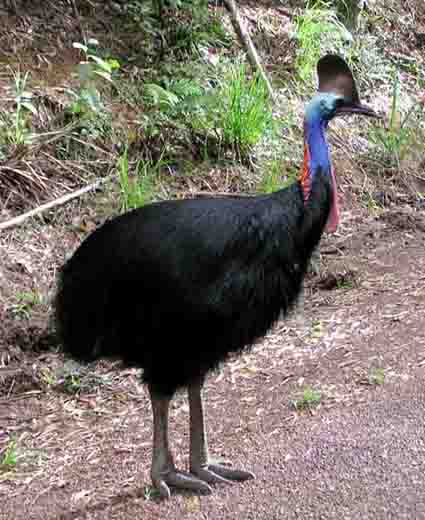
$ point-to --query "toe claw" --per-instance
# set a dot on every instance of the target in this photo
(209, 476)
(217, 473)
(230, 474)
(163, 489)
(180, 480)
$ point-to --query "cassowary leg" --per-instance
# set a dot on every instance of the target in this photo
(163, 471)
(315, 262)
(201, 465)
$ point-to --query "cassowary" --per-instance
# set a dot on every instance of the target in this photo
(175, 287)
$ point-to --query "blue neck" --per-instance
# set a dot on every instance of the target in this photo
(315, 139)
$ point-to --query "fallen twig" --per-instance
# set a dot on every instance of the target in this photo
(48, 205)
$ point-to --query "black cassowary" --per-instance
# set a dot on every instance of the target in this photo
(176, 286)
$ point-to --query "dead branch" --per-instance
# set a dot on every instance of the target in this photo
(246, 41)
(48, 205)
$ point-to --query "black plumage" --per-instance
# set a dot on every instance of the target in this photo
(192, 279)
(175, 287)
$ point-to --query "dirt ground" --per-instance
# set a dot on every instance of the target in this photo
(82, 439)
(359, 454)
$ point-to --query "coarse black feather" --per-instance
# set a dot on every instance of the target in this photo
(175, 287)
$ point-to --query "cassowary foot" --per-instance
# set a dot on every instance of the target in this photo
(180, 480)
(215, 473)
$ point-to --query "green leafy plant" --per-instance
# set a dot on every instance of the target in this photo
(14, 128)
(87, 98)
(73, 379)
(233, 112)
(376, 376)
(348, 12)
(10, 456)
(25, 303)
(150, 493)
(271, 180)
(344, 284)
(309, 399)
(395, 141)
(246, 112)
(48, 377)
(194, 27)
(72, 383)
(139, 189)
(175, 98)
(237, 112)
(161, 97)
(317, 29)
(171, 103)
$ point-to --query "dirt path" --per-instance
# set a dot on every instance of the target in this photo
(359, 454)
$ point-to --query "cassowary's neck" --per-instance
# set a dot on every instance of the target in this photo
(316, 154)
(317, 161)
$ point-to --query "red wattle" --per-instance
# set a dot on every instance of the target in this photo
(333, 219)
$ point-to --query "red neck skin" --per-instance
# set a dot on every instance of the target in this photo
(306, 180)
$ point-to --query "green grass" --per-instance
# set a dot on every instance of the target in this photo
(235, 114)
(139, 188)
(150, 493)
(276, 175)
(348, 12)
(317, 29)
(310, 398)
(245, 112)
(272, 177)
(186, 29)
(395, 141)
(376, 376)
(25, 303)
(10, 456)
(344, 284)
(194, 27)
(92, 71)
(74, 379)
(87, 107)
(48, 377)
(15, 126)
(200, 29)
(218, 109)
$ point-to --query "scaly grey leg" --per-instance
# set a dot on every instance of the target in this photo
(200, 464)
(163, 471)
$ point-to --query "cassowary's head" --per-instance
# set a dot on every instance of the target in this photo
(337, 92)
(337, 96)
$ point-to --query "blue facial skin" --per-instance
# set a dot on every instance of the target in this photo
(322, 106)
(319, 111)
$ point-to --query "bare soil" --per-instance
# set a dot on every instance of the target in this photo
(359, 454)
(357, 337)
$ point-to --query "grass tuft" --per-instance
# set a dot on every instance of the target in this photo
(246, 111)
(236, 113)
(15, 126)
(25, 303)
(376, 376)
(396, 140)
(310, 398)
(317, 29)
(9, 458)
(140, 188)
